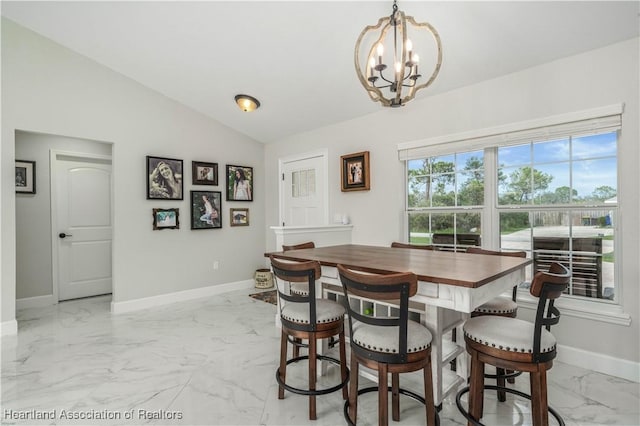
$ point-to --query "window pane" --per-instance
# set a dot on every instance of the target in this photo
(515, 185)
(443, 190)
(418, 196)
(551, 184)
(442, 223)
(594, 180)
(515, 231)
(551, 151)
(514, 155)
(515, 234)
(442, 228)
(470, 160)
(417, 167)
(419, 228)
(470, 188)
(594, 146)
(467, 223)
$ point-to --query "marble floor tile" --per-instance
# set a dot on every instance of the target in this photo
(212, 362)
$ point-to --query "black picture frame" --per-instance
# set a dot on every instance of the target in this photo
(354, 172)
(238, 217)
(166, 219)
(239, 183)
(25, 177)
(203, 173)
(162, 185)
(205, 216)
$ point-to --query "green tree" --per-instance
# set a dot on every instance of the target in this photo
(432, 175)
(524, 183)
(471, 191)
(562, 195)
(603, 193)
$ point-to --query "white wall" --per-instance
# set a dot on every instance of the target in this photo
(599, 78)
(51, 90)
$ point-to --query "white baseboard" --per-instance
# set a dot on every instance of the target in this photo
(35, 302)
(179, 296)
(601, 363)
(8, 328)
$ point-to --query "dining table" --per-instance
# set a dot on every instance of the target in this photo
(450, 286)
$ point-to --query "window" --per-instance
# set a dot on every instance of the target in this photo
(445, 199)
(557, 200)
(554, 197)
(303, 183)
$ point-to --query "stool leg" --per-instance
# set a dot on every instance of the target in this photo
(511, 380)
(383, 395)
(395, 396)
(312, 375)
(343, 364)
(353, 391)
(502, 395)
(476, 387)
(428, 393)
(296, 348)
(539, 404)
(283, 362)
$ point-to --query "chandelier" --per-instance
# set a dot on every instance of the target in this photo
(402, 78)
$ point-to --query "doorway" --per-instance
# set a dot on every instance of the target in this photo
(304, 190)
(37, 233)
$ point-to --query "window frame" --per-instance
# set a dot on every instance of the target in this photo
(599, 120)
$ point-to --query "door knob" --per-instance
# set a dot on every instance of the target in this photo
(63, 235)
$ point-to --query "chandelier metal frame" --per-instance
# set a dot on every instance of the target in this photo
(404, 85)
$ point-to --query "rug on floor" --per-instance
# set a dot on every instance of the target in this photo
(266, 296)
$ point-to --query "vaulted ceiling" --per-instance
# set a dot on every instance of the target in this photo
(296, 57)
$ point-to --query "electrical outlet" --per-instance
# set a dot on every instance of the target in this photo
(216, 264)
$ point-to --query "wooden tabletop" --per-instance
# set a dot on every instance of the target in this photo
(460, 269)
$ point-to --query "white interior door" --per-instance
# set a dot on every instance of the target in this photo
(304, 191)
(81, 198)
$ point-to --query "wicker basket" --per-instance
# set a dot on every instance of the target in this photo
(263, 278)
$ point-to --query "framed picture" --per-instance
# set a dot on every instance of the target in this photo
(239, 217)
(164, 178)
(166, 219)
(354, 172)
(25, 177)
(204, 173)
(239, 183)
(206, 212)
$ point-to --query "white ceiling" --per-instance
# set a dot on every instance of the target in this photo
(296, 57)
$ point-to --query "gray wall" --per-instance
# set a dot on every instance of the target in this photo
(51, 90)
(594, 79)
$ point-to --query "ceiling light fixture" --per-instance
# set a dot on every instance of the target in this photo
(403, 82)
(247, 103)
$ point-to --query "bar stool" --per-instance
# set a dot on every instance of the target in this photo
(303, 290)
(511, 343)
(500, 306)
(386, 344)
(305, 317)
(299, 288)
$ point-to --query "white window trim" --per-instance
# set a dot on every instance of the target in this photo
(604, 119)
(581, 308)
